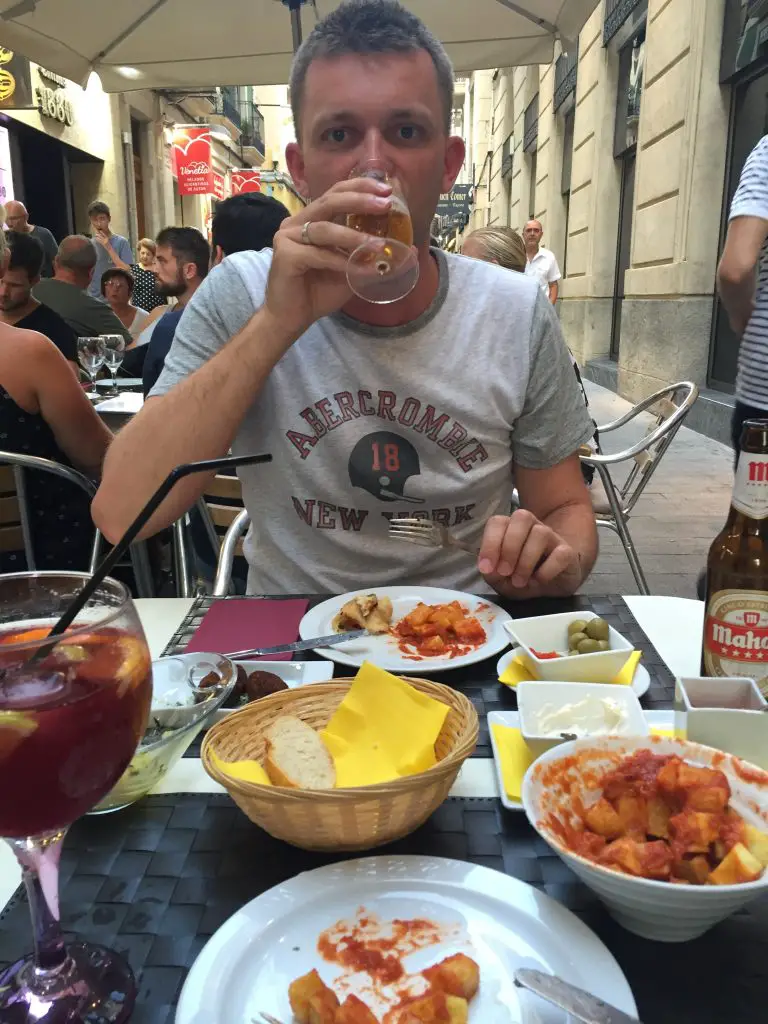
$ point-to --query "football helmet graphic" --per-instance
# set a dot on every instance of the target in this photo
(382, 463)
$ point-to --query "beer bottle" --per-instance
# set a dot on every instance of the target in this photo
(736, 618)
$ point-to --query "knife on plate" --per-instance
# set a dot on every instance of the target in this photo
(299, 645)
(582, 1005)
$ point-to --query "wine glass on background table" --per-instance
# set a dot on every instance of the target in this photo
(114, 353)
(384, 268)
(72, 712)
(91, 353)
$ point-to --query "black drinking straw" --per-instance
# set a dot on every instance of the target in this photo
(80, 599)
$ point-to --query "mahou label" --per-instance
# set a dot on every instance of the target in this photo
(750, 491)
(736, 635)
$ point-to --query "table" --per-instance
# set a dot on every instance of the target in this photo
(149, 849)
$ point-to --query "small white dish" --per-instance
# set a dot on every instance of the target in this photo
(726, 713)
(537, 699)
(550, 633)
(661, 720)
(641, 680)
(293, 674)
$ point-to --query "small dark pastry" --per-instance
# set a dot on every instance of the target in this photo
(262, 684)
(238, 690)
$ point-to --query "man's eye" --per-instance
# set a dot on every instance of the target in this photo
(337, 134)
(407, 132)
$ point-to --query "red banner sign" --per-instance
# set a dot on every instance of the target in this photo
(246, 180)
(219, 186)
(192, 159)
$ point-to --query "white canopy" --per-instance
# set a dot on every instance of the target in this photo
(188, 44)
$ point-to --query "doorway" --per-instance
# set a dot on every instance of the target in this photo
(624, 248)
(138, 175)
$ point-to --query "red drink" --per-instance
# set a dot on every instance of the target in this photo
(69, 723)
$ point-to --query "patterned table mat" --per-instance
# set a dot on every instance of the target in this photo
(155, 881)
(479, 682)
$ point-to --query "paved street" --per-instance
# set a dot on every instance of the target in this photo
(680, 512)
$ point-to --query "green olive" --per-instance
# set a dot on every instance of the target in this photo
(577, 626)
(589, 646)
(604, 645)
(575, 639)
(597, 629)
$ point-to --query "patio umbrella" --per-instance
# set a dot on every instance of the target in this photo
(189, 44)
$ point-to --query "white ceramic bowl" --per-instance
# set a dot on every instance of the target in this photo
(538, 696)
(652, 909)
(550, 633)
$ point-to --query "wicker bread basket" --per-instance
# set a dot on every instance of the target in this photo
(338, 819)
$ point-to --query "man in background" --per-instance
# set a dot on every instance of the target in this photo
(17, 219)
(182, 259)
(247, 221)
(742, 280)
(111, 250)
(66, 293)
(541, 265)
(18, 308)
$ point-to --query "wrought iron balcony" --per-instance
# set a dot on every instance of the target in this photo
(616, 13)
(531, 125)
(566, 73)
(227, 104)
(252, 127)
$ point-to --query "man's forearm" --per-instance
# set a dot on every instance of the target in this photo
(197, 419)
(575, 523)
(738, 296)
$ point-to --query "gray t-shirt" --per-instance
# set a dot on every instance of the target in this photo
(50, 248)
(365, 423)
(105, 262)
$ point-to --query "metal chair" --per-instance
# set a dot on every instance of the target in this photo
(231, 546)
(20, 463)
(671, 405)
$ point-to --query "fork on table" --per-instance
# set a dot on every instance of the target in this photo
(267, 1018)
(429, 534)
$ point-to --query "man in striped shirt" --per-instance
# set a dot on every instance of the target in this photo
(742, 280)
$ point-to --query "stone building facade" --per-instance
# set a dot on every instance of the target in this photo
(624, 149)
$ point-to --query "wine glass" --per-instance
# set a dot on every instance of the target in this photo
(114, 353)
(91, 353)
(384, 268)
(71, 717)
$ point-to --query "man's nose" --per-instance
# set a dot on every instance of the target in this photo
(374, 149)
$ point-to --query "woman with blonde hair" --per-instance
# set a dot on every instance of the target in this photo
(497, 245)
(506, 248)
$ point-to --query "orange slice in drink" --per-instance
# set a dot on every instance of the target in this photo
(15, 727)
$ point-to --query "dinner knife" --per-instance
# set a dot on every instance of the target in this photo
(299, 645)
(582, 1005)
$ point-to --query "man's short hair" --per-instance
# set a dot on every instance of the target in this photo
(76, 252)
(108, 275)
(27, 253)
(365, 27)
(247, 221)
(188, 246)
(97, 207)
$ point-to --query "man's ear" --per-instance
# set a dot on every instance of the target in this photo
(296, 168)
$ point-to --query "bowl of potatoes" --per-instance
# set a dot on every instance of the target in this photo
(572, 647)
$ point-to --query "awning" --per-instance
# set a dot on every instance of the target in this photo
(189, 44)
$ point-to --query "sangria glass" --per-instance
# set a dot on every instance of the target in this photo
(384, 268)
(114, 353)
(72, 712)
(91, 353)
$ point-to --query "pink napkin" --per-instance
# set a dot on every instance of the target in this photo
(236, 625)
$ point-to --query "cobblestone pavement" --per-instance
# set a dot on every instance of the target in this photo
(678, 515)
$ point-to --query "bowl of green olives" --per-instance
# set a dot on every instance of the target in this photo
(573, 647)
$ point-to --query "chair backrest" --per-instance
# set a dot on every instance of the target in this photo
(231, 545)
(669, 406)
(15, 522)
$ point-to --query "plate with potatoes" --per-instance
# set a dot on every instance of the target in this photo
(395, 940)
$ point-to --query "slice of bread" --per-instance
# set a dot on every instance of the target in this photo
(297, 757)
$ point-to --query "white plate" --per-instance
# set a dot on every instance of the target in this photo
(641, 680)
(383, 650)
(293, 673)
(247, 965)
(655, 719)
